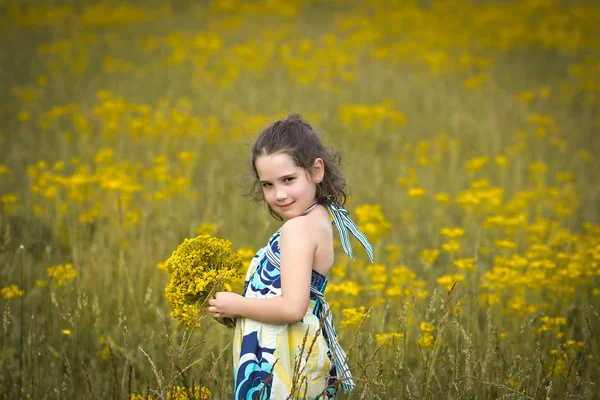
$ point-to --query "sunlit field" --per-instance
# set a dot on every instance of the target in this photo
(469, 139)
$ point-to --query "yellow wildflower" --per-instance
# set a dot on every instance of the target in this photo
(382, 338)
(66, 332)
(11, 292)
(448, 280)
(62, 274)
(430, 255)
(426, 340)
(189, 393)
(442, 198)
(476, 163)
(500, 160)
(465, 263)
(197, 266)
(347, 287)
(506, 244)
(452, 233)
(353, 316)
(452, 246)
(372, 222)
(416, 192)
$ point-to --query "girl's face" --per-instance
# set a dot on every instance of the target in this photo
(288, 188)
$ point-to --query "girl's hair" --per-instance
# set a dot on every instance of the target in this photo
(294, 136)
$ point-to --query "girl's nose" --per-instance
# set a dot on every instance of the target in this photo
(281, 194)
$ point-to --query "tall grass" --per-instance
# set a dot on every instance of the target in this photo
(410, 94)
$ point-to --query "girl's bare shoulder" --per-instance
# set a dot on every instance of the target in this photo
(317, 224)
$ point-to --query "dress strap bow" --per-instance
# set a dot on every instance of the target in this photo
(339, 357)
(341, 219)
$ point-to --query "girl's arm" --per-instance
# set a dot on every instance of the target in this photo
(297, 245)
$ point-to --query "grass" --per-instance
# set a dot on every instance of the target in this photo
(204, 79)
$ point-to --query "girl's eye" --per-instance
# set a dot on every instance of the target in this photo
(288, 179)
(266, 184)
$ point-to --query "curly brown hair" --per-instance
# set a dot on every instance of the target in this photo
(293, 135)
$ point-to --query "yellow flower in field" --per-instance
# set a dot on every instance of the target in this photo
(426, 327)
(206, 229)
(538, 168)
(585, 155)
(24, 116)
(430, 255)
(442, 198)
(135, 396)
(39, 283)
(189, 393)
(246, 253)
(565, 176)
(41, 80)
(58, 165)
(452, 233)
(62, 273)
(500, 160)
(197, 266)
(416, 192)
(452, 246)
(377, 273)
(402, 276)
(372, 222)
(465, 263)
(488, 299)
(353, 316)
(447, 281)
(8, 202)
(480, 184)
(527, 96)
(382, 338)
(187, 157)
(476, 81)
(66, 332)
(3, 169)
(104, 156)
(11, 292)
(559, 367)
(476, 163)
(505, 244)
(467, 198)
(574, 344)
(347, 287)
(426, 340)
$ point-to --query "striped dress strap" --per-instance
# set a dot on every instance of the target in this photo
(341, 219)
(339, 357)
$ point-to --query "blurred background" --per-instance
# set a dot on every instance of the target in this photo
(468, 133)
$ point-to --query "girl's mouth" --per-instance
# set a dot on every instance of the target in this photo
(284, 206)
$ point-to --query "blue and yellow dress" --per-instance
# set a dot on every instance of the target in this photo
(299, 360)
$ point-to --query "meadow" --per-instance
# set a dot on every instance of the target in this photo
(469, 139)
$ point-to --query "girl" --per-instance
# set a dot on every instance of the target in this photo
(284, 343)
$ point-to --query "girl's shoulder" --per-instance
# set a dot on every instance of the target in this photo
(312, 224)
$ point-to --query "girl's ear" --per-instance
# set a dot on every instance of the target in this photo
(318, 170)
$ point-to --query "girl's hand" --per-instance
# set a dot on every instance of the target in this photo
(224, 305)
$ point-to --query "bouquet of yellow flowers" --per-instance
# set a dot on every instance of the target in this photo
(199, 267)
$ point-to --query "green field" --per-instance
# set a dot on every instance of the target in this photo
(469, 140)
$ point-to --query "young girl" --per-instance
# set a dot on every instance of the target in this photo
(285, 344)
